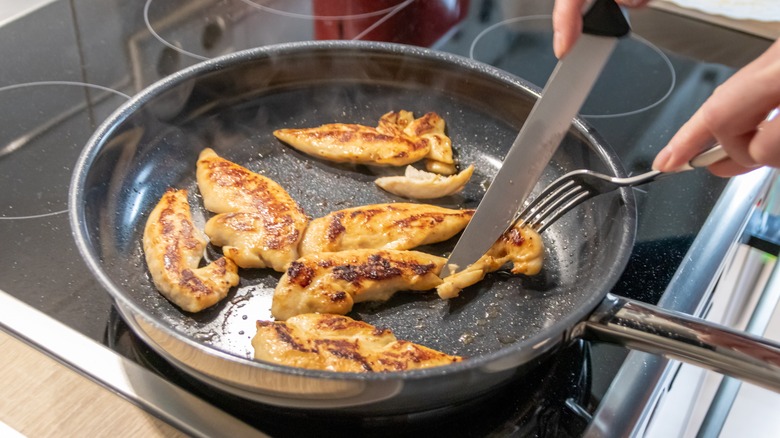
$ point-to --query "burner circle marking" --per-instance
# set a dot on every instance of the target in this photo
(401, 4)
(22, 141)
(163, 40)
(384, 14)
(665, 59)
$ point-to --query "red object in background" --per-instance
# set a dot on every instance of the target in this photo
(421, 22)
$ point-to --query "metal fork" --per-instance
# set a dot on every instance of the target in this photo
(574, 188)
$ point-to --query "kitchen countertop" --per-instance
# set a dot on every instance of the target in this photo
(44, 396)
(766, 29)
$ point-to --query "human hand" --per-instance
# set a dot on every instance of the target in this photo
(740, 115)
(567, 22)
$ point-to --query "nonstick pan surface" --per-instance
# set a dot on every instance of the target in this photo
(233, 104)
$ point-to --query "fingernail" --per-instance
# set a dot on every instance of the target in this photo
(662, 159)
(557, 45)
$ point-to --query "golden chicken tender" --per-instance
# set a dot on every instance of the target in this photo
(520, 245)
(339, 343)
(259, 224)
(383, 226)
(331, 282)
(173, 248)
(398, 140)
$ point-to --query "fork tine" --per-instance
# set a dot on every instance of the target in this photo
(556, 203)
(555, 200)
(552, 189)
(542, 224)
(547, 195)
(569, 191)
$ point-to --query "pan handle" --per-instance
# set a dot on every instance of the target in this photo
(675, 335)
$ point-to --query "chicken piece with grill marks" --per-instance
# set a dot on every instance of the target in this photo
(331, 282)
(383, 226)
(258, 223)
(398, 140)
(173, 248)
(520, 245)
(339, 343)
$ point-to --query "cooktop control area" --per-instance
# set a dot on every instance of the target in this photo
(58, 85)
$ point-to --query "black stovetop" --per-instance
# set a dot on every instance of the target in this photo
(57, 85)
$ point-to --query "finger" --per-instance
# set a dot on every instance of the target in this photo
(728, 168)
(567, 25)
(691, 141)
(739, 105)
(744, 100)
(730, 116)
(764, 147)
(758, 147)
(738, 149)
(692, 138)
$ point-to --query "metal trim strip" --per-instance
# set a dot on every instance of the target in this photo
(716, 417)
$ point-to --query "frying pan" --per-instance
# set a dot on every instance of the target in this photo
(503, 325)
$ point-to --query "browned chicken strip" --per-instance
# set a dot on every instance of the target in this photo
(389, 144)
(383, 226)
(331, 282)
(260, 224)
(173, 248)
(339, 343)
(520, 245)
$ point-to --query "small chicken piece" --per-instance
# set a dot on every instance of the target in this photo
(440, 168)
(520, 245)
(418, 184)
(259, 224)
(431, 127)
(331, 282)
(339, 343)
(173, 248)
(383, 226)
(397, 140)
